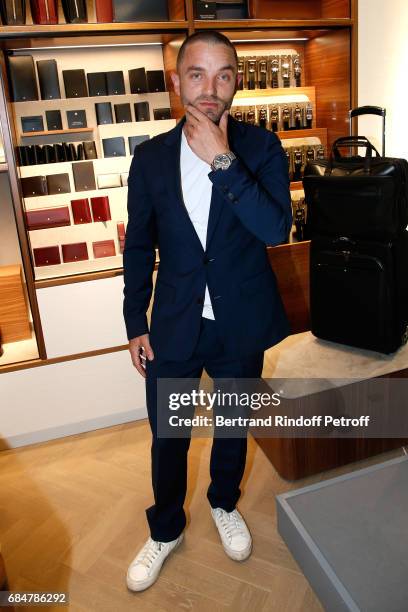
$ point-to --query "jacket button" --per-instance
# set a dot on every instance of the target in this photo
(231, 196)
(200, 300)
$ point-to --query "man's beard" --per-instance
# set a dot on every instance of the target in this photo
(213, 114)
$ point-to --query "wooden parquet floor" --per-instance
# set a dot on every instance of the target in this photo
(72, 517)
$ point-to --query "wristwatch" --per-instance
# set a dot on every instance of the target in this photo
(223, 161)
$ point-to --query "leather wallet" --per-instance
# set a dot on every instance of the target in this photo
(121, 235)
(103, 113)
(115, 83)
(48, 78)
(75, 251)
(13, 13)
(103, 248)
(142, 111)
(47, 256)
(104, 11)
(81, 211)
(44, 11)
(38, 154)
(155, 81)
(138, 80)
(53, 119)
(123, 113)
(84, 177)
(23, 158)
(124, 178)
(22, 78)
(161, 113)
(136, 140)
(58, 183)
(43, 218)
(80, 151)
(34, 186)
(60, 152)
(90, 149)
(100, 208)
(142, 10)
(105, 181)
(49, 154)
(74, 11)
(32, 123)
(76, 119)
(97, 85)
(75, 83)
(114, 147)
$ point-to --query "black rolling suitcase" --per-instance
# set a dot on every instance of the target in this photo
(357, 215)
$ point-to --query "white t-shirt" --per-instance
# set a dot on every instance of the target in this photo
(197, 191)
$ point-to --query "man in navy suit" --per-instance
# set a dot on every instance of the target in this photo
(211, 193)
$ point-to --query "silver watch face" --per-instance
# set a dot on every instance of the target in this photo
(223, 161)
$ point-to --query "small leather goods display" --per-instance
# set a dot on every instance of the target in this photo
(84, 176)
(75, 83)
(104, 248)
(81, 211)
(47, 256)
(142, 111)
(106, 181)
(103, 113)
(76, 119)
(48, 78)
(104, 11)
(142, 10)
(97, 84)
(121, 235)
(162, 113)
(75, 251)
(138, 80)
(136, 140)
(53, 119)
(123, 113)
(90, 149)
(13, 12)
(58, 183)
(44, 11)
(32, 123)
(100, 208)
(74, 11)
(43, 218)
(155, 81)
(114, 147)
(115, 82)
(22, 78)
(34, 186)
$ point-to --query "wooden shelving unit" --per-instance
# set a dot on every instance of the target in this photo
(53, 132)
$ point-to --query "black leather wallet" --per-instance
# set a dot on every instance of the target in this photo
(97, 85)
(123, 113)
(142, 111)
(114, 147)
(142, 10)
(22, 78)
(34, 186)
(32, 123)
(75, 83)
(162, 113)
(39, 154)
(103, 113)
(138, 80)
(136, 140)
(84, 176)
(53, 118)
(115, 83)
(48, 78)
(60, 153)
(74, 11)
(90, 149)
(49, 154)
(155, 81)
(76, 119)
(58, 183)
(80, 151)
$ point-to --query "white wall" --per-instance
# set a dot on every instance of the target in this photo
(382, 70)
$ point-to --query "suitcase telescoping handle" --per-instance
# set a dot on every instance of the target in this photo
(369, 110)
(351, 141)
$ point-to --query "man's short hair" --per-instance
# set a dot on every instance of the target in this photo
(209, 36)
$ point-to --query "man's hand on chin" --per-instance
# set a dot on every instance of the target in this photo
(206, 138)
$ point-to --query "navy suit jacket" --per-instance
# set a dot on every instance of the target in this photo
(250, 208)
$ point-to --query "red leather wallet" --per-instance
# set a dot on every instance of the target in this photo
(43, 218)
(76, 251)
(46, 256)
(104, 248)
(80, 211)
(121, 235)
(104, 11)
(100, 208)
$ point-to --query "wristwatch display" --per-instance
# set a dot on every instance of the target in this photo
(223, 161)
(297, 70)
(285, 66)
(262, 70)
(275, 71)
(252, 63)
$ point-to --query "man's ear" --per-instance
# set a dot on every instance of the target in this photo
(176, 82)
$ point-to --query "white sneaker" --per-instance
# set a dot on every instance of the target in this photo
(145, 567)
(235, 536)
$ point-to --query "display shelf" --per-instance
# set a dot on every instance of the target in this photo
(3, 167)
(279, 24)
(53, 132)
(308, 92)
(80, 29)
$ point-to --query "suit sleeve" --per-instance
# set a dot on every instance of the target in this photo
(262, 202)
(139, 252)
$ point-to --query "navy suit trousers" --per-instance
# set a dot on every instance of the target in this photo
(166, 517)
